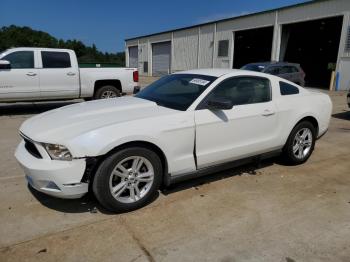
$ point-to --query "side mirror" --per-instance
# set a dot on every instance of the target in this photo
(219, 104)
(4, 64)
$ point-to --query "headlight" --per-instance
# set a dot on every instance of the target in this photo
(58, 152)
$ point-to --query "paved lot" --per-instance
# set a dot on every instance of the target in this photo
(267, 213)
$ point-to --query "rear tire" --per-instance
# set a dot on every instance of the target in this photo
(300, 143)
(128, 179)
(107, 92)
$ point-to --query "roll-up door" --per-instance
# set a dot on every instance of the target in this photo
(161, 56)
(133, 57)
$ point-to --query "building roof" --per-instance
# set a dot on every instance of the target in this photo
(308, 2)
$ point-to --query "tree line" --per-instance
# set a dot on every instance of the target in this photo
(15, 36)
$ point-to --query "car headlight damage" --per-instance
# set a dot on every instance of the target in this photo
(58, 152)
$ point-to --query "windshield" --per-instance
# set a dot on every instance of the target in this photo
(251, 67)
(176, 91)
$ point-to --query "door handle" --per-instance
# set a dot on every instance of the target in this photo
(70, 74)
(268, 112)
(31, 74)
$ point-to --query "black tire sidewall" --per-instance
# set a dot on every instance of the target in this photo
(103, 89)
(288, 149)
(101, 180)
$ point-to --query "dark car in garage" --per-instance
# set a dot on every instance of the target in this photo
(290, 71)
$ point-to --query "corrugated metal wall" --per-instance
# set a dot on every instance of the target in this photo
(185, 44)
(143, 55)
(315, 10)
(223, 62)
(206, 46)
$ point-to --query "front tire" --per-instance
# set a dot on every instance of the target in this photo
(128, 179)
(300, 143)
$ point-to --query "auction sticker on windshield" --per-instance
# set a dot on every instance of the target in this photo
(198, 81)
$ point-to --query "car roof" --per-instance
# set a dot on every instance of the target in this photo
(218, 72)
(273, 63)
(36, 48)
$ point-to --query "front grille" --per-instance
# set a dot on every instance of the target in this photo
(29, 145)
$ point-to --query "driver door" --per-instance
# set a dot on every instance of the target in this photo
(21, 81)
(248, 129)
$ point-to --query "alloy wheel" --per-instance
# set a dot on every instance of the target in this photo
(302, 143)
(108, 94)
(131, 179)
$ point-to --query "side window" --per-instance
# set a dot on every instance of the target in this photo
(288, 70)
(284, 70)
(275, 70)
(244, 90)
(287, 89)
(21, 59)
(55, 59)
(223, 48)
(294, 69)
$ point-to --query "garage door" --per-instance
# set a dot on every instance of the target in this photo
(252, 45)
(133, 56)
(316, 51)
(161, 53)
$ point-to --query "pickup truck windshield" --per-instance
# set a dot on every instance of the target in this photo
(176, 91)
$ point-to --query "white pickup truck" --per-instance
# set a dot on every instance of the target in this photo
(33, 74)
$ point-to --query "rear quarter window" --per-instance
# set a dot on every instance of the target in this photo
(288, 89)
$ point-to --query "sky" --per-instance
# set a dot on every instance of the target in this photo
(107, 23)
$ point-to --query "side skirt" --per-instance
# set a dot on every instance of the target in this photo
(169, 179)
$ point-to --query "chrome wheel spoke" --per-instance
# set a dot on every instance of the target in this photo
(145, 177)
(295, 148)
(132, 193)
(307, 143)
(122, 169)
(137, 164)
(119, 174)
(303, 134)
(300, 152)
(138, 194)
(118, 189)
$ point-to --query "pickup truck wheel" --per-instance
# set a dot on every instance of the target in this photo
(128, 179)
(300, 143)
(107, 92)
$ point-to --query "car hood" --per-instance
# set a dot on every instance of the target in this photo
(67, 122)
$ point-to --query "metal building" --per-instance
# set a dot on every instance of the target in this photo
(315, 34)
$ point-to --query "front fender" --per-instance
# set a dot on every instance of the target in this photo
(174, 136)
(100, 142)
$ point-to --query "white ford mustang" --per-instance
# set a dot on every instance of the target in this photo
(182, 126)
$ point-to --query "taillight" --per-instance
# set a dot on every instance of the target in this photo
(135, 76)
